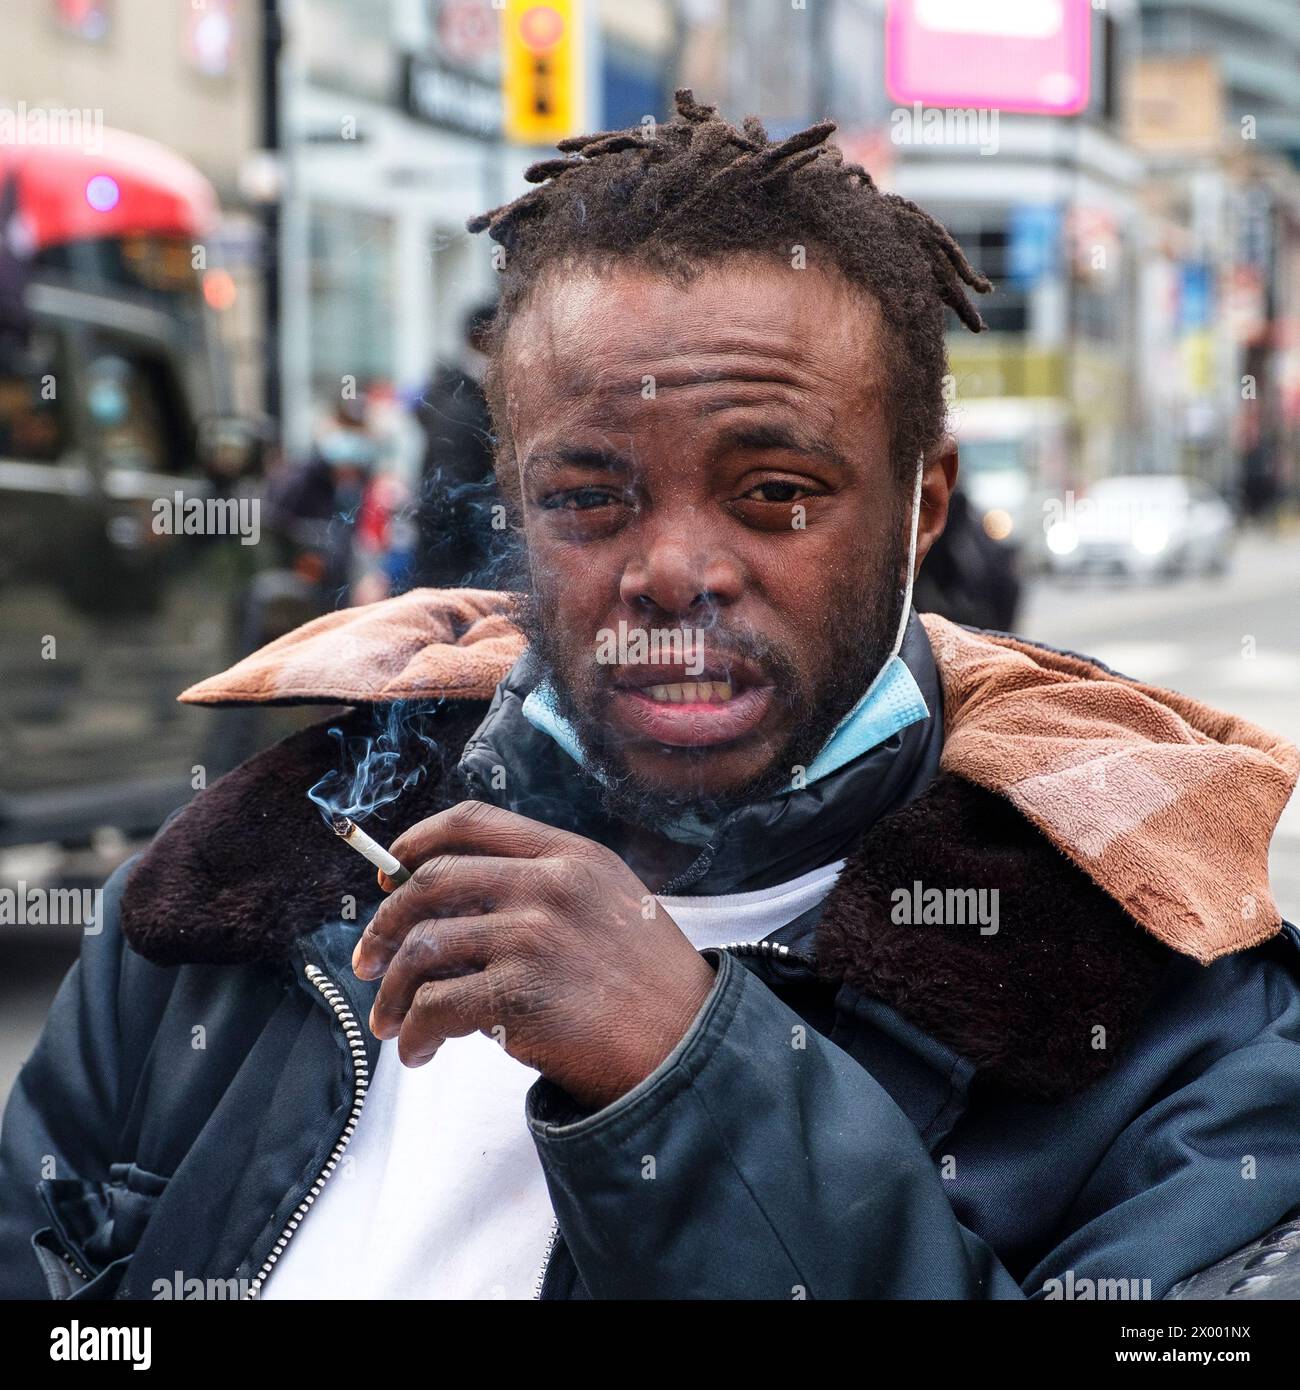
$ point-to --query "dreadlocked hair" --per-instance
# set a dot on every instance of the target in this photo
(697, 189)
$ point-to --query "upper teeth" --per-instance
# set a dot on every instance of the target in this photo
(690, 691)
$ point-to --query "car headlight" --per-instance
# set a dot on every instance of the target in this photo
(1062, 538)
(1150, 538)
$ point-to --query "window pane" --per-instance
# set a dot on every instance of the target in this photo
(32, 416)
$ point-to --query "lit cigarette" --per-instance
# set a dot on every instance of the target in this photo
(352, 834)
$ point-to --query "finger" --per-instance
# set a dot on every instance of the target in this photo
(443, 1009)
(452, 885)
(433, 950)
(475, 827)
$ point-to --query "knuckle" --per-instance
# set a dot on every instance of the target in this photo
(431, 873)
(560, 878)
(522, 935)
(515, 993)
(471, 815)
(529, 925)
(426, 1000)
(421, 948)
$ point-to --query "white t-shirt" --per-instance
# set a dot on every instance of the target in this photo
(440, 1193)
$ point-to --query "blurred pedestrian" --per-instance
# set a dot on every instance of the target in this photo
(968, 577)
(453, 516)
(314, 505)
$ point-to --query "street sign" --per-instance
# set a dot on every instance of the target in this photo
(542, 70)
(458, 100)
(1006, 55)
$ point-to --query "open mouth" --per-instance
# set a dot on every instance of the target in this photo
(724, 701)
(690, 692)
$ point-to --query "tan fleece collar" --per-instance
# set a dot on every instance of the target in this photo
(425, 644)
(1166, 804)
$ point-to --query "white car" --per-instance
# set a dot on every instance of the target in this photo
(1142, 526)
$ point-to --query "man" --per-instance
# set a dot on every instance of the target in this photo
(784, 947)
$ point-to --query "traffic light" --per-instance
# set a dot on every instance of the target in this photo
(542, 70)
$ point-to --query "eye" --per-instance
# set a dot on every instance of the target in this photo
(583, 499)
(782, 491)
(778, 490)
(777, 504)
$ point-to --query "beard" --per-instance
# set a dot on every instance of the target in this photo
(859, 628)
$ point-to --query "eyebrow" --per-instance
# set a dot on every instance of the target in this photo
(779, 437)
(607, 460)
(595, 458)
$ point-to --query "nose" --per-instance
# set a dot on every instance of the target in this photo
(677, 576)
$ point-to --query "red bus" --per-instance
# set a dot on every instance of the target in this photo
(113, 394)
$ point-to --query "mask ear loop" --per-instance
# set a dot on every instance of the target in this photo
(907, 590)
(911, 559)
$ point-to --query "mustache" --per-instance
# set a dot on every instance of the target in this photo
(581, 664)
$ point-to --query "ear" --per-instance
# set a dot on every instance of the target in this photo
(938, 478)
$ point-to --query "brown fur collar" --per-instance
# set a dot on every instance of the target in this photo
(1024, 1003)
(248, 866)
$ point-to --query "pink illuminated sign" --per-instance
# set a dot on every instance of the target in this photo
(1012, 55)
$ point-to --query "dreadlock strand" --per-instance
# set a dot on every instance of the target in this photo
(614, 143)
(674, 192)
(948, 263)
(691, 110)
(802, 139)
(791, 166)
(547, 169)
(856, 171)
(755, 130)
(501, 221)
(960, 264)
(945, 239)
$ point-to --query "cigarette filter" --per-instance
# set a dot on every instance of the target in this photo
(352, 834)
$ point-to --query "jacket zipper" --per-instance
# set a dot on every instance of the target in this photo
(551, 1241)
(355, 1038)
(773, 950)
(74, 1267)
(361, 1081)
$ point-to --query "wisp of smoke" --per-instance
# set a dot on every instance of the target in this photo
(373, 771)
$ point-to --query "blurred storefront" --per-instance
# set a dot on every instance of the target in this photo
(390, 139)
(1216, 112)
(391, 136)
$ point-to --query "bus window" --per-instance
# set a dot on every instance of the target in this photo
(32, 416)
(133, 413)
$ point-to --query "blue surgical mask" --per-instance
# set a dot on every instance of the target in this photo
(893, 702)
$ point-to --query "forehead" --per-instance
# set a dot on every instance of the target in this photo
(751, 330)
